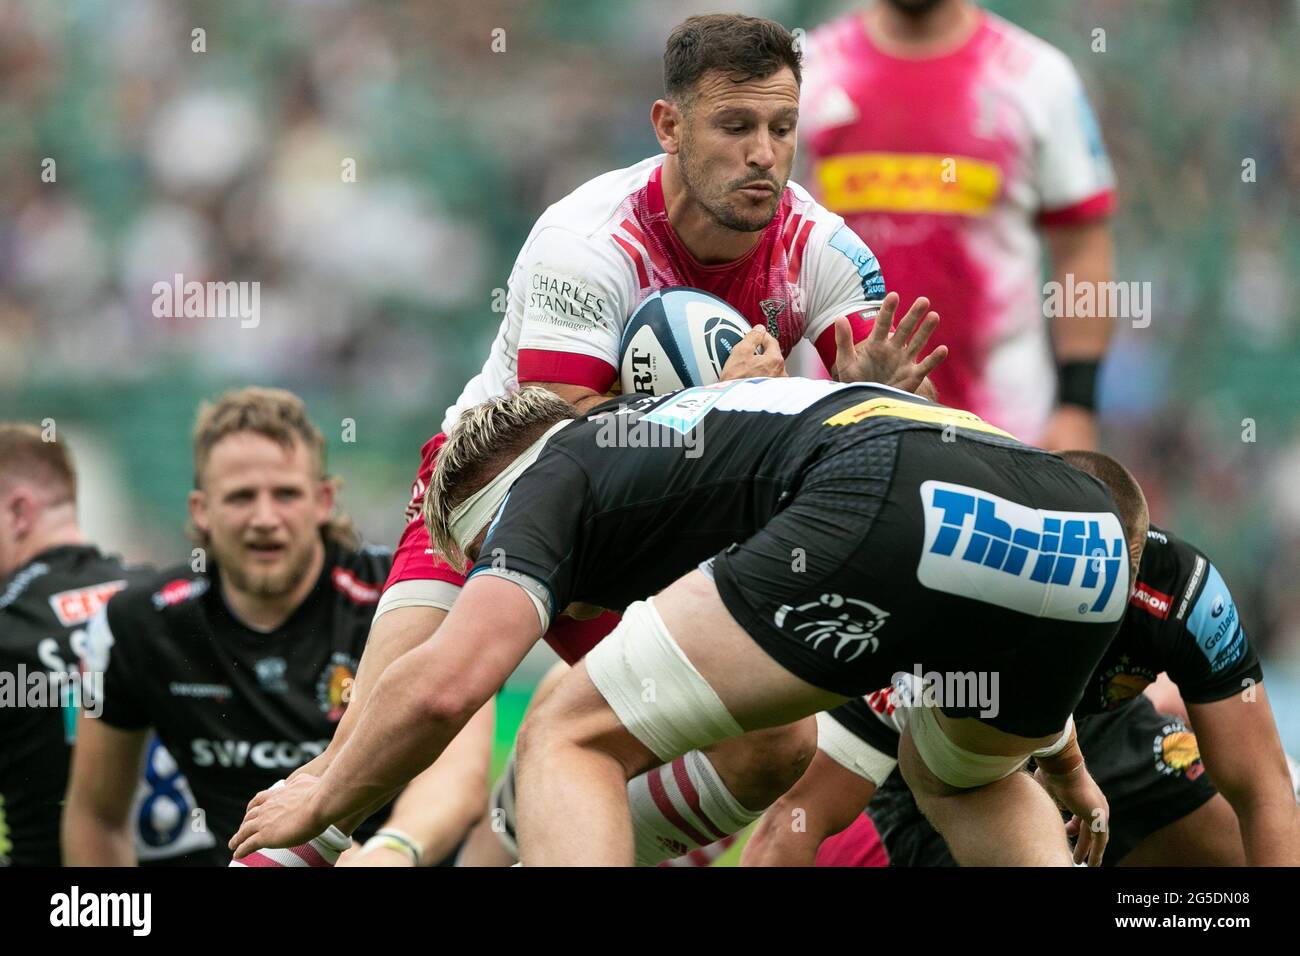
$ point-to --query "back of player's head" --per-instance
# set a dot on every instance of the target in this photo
(1123, 487)
(273, 413)
(744, 48)
(29, 455)
(483, 442)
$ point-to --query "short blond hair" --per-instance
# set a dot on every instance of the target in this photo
(484, 440)
(26, 455)
(273, 413)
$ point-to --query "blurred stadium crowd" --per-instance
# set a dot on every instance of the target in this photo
(377, 296)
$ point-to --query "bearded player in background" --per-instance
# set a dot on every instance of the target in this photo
(955, 144)
(243, 665)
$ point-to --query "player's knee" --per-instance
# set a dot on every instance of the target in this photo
(573, 715)
(774, 760)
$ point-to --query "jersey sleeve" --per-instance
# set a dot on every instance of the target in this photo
(1072, 172)
(533, 540)
(1210, 656)
(574, 300)
(839, 277)
(115, 699)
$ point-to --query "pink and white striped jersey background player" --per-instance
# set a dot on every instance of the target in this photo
(948, 166)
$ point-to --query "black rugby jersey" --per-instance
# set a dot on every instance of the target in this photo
(1181, 619)
(237, 708)
(45, 607)
(713, 465)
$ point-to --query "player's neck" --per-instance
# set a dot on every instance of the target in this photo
(57, 533)
(266, 614)
(935, 33)
(709, 242)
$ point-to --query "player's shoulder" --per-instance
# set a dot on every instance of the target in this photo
(1025, 55)
(153, 597)
(806, 213)
(590, 209)
(358, 574)
(1170, 575)
(831, 43)
(830, 243)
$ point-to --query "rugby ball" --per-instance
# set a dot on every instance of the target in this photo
(678, 338)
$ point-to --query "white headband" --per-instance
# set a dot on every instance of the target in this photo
(472, 515)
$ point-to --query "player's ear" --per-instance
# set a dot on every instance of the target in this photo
(198, 505)
(326, 494)
(667, 121)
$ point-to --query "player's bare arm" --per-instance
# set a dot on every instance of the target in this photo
(1244, 758)
(1085, 253)
(436, 809)
(106, 764)
(437, 687)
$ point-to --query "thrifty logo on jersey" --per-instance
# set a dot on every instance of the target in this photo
(74, 908)
(208, 300)
(1215, 624)
(39, 688)
(265, 754)
(1063, 565)
(908, 182)
(624, 429)
(179, 591)
(564, 301)
(81, 604)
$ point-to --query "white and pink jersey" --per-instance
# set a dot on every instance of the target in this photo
(946, 165)
(595, 255)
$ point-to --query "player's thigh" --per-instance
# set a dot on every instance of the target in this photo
(1163, 807)
(550, 680)
(757, 691)
(1208, 836)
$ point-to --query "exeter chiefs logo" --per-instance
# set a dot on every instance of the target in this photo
(719, 339)
(852, 623)
(334, 686)
(1176, 751)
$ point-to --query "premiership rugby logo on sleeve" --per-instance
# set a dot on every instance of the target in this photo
(1064, 565)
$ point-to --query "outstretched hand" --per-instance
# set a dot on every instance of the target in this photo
(890, 358)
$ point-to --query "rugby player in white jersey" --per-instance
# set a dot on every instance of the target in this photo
(714, 211)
